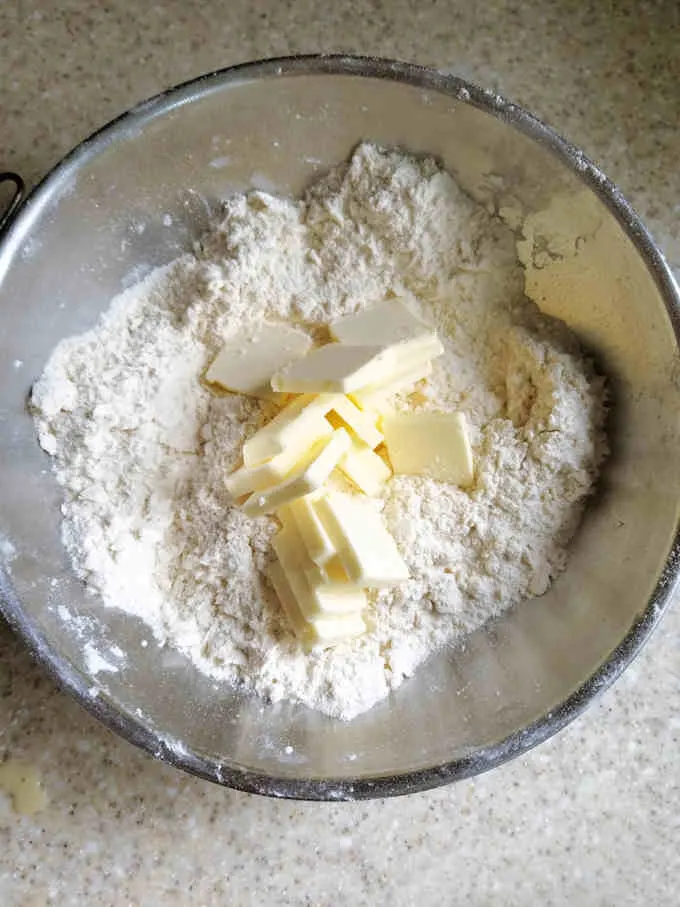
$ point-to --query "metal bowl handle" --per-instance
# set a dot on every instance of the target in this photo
(16, 198)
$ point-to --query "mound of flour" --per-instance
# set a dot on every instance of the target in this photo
(141, 447)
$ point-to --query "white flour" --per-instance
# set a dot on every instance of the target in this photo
(141, 447)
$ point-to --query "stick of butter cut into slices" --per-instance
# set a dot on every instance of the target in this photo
(247, 361)
(310, 475)
(433, 444)
(366, 549)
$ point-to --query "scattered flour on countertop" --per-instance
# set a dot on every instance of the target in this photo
(141, 447)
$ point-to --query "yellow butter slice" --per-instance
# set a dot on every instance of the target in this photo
(302, 629)
(391, 324)
(365, 468)
(247, 361)
(293, 430)
(433, 444)
(375, 397)
(346, 413)
(245, 480)
(336, 368)
(384, 324)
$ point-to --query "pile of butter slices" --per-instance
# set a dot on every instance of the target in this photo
(333, 546)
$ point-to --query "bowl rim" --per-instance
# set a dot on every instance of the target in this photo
(63, 672)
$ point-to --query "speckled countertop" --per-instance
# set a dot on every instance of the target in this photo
(591, 817)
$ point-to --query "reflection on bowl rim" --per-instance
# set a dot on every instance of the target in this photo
(64, 673)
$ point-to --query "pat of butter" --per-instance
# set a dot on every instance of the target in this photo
(247, 361)
(313, 593)
(430, 444)
(322, 459)
(366, 549)
(336, 368)
(390, 323)
(346, 413)
(365, 468)
(328, 630)
(376, 396)
(293, 430)
(314, 536)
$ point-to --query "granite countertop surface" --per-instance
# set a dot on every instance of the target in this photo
(592, 817)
